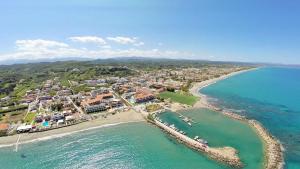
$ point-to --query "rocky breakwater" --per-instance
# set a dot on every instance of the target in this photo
(274, 150)
(227, 155)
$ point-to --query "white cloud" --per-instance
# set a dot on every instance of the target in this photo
(139, 44)
(41, 49)
(126, 40)
(123, 40)
(88, 39)
(38, 44)
(106, 47)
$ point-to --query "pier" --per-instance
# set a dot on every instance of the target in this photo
(227, 155)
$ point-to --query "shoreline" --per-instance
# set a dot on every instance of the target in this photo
(111, 120)
(273, 149)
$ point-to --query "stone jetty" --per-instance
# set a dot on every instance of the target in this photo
(273, 148)
(273, 151)
(227, 155)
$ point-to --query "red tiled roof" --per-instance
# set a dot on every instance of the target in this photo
(98, 98)
(143, 93)
(4, 126)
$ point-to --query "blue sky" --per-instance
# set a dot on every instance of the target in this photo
(230, 30)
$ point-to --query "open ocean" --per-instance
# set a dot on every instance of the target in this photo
(270, 95)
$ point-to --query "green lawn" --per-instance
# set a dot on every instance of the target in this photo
(179, 97)
(21, 89)
(65, 82)
(80, 88)
(13, 108)
(2, 95)
(30, 117)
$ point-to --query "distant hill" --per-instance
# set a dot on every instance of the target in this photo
(123, 60)
(24, 61)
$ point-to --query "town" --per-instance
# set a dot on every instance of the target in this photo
(61, 102)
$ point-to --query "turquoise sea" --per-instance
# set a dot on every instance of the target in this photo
(126, 146)
(270, 95)
(221, 131)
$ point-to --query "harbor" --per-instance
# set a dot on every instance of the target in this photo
(226, 155)
(273, 150)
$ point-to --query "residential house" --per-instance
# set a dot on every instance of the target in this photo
(143, 95)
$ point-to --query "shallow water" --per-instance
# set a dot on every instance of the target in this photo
(221, 131)
(126, 146)
(270, 95)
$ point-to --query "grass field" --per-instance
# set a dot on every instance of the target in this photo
(2, 95)
(21, 89)
(65, 82)
(179, 97)
(12, 117)
(30, 117)
(80, 88)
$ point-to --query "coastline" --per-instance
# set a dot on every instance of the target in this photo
(111, 120)
(202, 102)
(273, 149)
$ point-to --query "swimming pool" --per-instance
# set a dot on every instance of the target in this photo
(45, 124)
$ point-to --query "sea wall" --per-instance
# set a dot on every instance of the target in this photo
(227, 155)
(273, 148)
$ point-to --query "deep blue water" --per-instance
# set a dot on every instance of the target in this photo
(270, 95)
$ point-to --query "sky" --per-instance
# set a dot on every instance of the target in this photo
(222, 30)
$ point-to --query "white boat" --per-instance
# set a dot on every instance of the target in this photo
(185, 119)
(202, 141)
(182, 132)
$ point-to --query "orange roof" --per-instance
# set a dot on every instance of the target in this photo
(142, 93)
(4, 126)
(98, 98)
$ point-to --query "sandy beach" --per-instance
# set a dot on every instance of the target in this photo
(198, 86)
(110, 120)
(273, 148)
